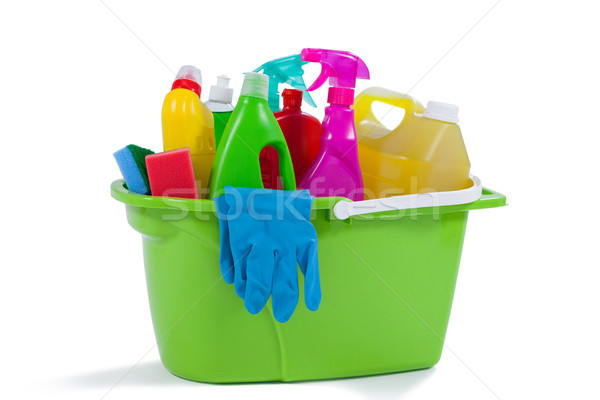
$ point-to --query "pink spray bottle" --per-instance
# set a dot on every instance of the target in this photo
(336, 170)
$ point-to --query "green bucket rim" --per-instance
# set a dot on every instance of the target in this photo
(489, 199)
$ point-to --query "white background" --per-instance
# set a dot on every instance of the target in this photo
(80, 79)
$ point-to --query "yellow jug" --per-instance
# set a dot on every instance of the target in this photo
(424, 153)
(187, 122)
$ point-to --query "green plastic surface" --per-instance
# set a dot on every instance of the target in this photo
(252, 127)
(221, 119)
(387, 279)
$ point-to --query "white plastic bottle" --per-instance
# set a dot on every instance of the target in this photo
(219, 102)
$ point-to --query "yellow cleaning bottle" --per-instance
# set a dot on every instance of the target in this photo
(187, 122)
(424, 153)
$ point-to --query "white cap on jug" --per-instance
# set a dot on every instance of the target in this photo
(190, 72)
(221, 92)
(441, 111)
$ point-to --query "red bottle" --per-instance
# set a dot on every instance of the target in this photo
(302, 133)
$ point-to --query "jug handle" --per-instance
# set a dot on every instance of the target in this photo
(364, 101)
(286, 169)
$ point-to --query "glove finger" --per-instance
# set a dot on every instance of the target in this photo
(285, 286)
(240, 267)
(260, 278)
(225, 256)
(308, 260)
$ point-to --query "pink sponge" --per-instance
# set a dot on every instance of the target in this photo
(171, 174)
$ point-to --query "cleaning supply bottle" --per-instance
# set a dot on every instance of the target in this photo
(302, 134)
(252, 126)
(219, 102)
(284, 70)
(424, 153)
(187, 122)
(280, 70)
(336, 170)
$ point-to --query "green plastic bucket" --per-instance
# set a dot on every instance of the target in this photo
(387, 279)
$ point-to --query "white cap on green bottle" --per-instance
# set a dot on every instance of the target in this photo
(221, 92)
(441, 111)
(255, 85)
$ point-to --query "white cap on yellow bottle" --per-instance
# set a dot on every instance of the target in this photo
(191, 73)
(441, 111)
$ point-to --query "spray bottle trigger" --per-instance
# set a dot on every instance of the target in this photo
(322, 78)
(298, 83)
(362, 72)
(307, 98)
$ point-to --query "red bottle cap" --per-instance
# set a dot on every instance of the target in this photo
(292, 97)
(341, 96)
(188, 84)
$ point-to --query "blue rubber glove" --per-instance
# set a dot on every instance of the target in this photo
(225, 257)
(265, 235)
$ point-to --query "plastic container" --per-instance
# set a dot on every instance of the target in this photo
(387, 278)
(424, 153)
(187, 122)
(252, 127)
(219, 102)
(336, 170)
(302, 134)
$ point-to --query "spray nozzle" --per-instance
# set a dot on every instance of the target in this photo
(285, 70)
(341, 67)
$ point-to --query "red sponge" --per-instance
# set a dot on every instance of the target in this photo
(171, 174)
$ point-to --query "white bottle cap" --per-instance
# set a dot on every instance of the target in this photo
(221, 92)
(190, 72)
(255, 85)
(441, 111)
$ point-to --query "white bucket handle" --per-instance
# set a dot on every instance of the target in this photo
(345, 209)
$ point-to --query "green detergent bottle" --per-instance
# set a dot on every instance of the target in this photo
(252, 127)
(219, 102)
